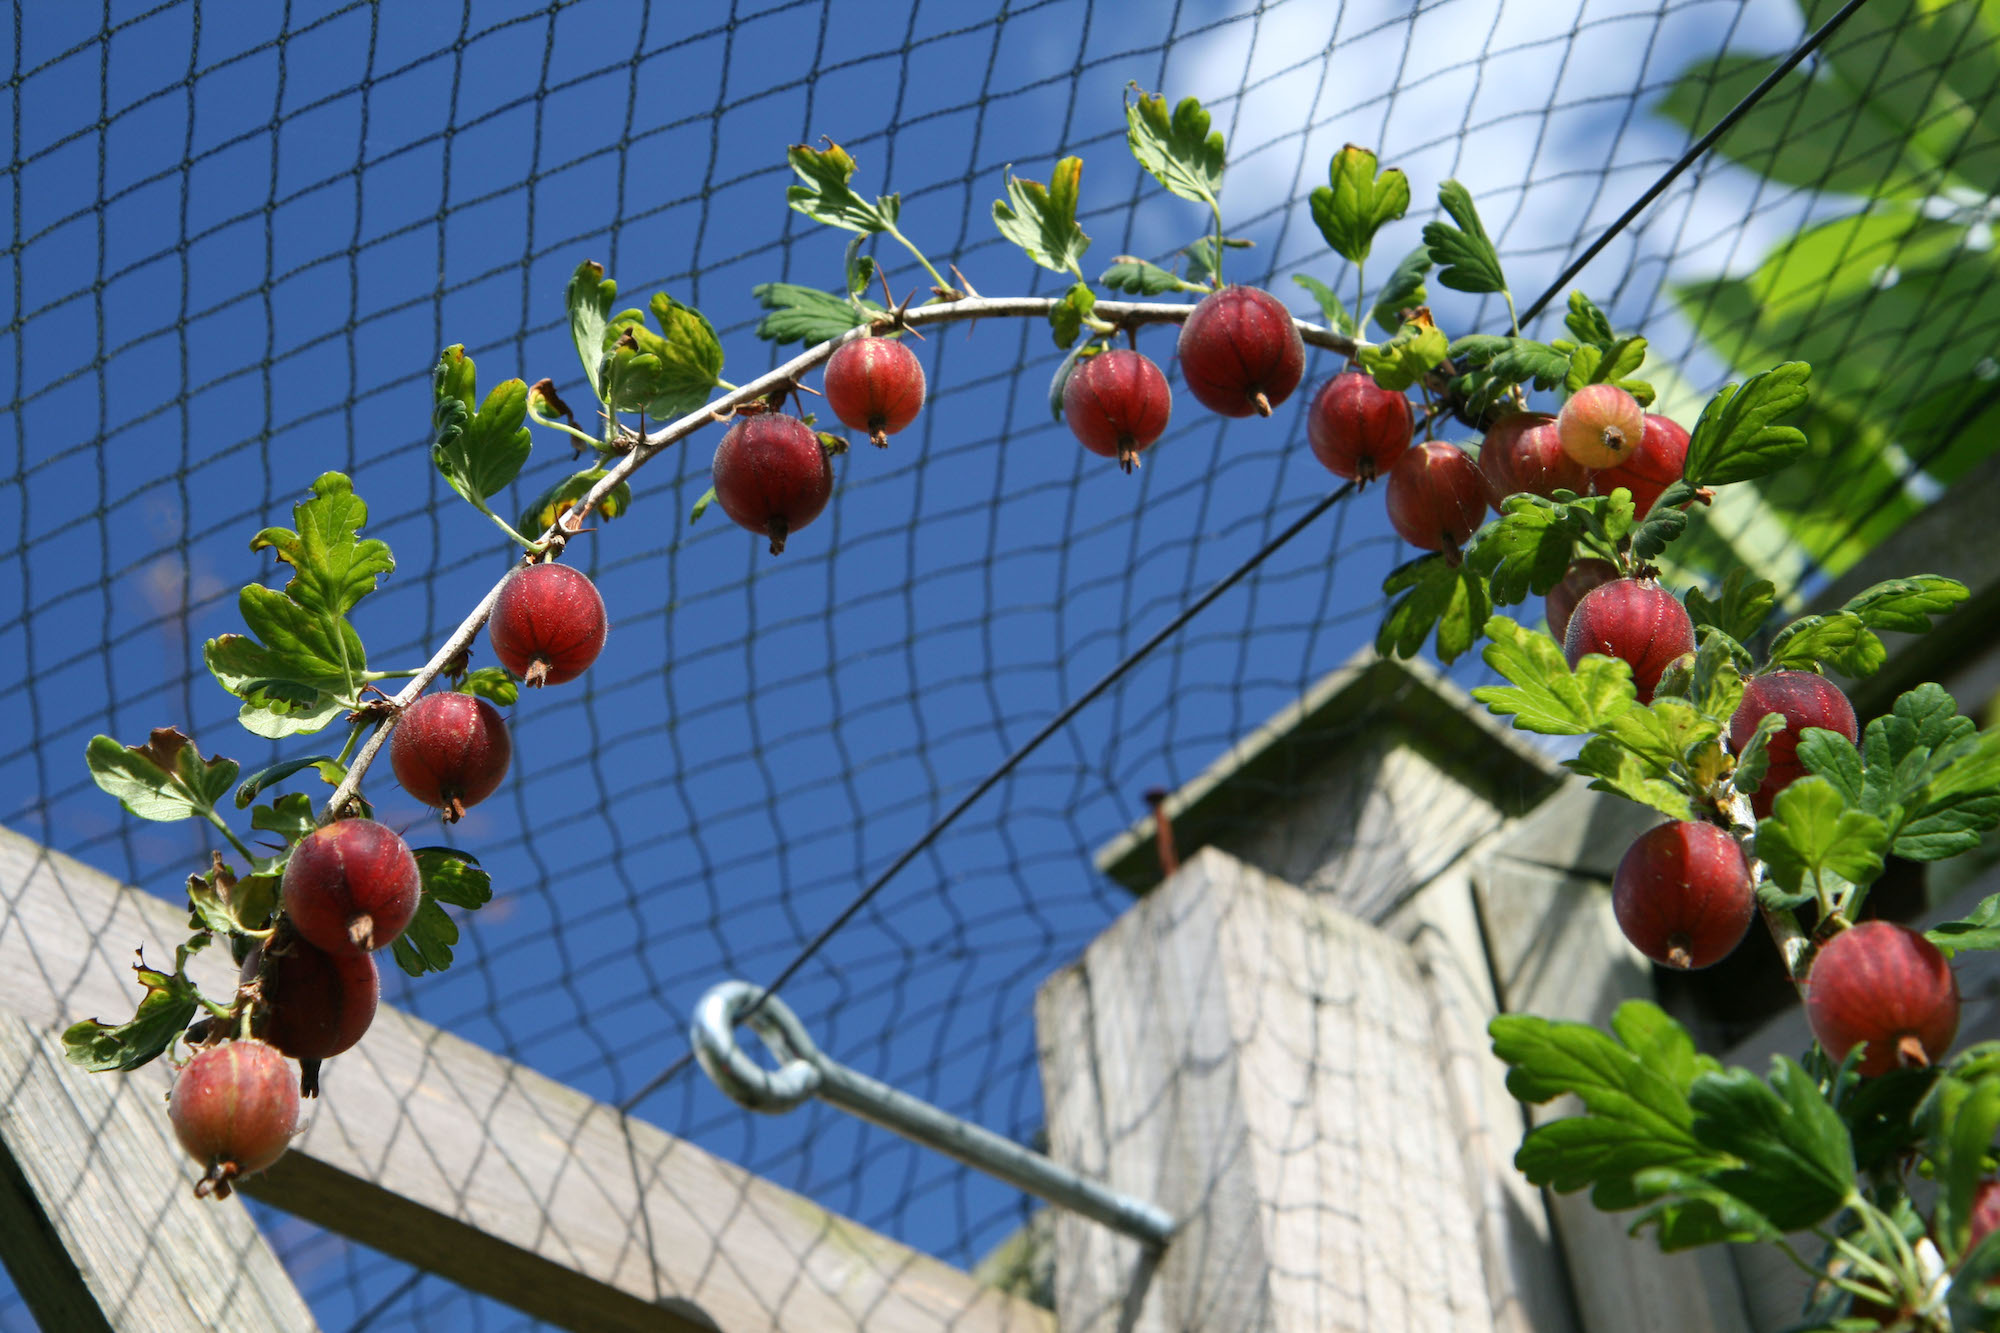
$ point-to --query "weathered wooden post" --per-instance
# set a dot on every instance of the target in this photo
(1260, 1065)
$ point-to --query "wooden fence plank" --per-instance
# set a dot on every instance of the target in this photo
(458, 1160)
(98, 1220)
(1261, 1066)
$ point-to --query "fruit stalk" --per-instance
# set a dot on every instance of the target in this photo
(1793, 946)
(1127, 314)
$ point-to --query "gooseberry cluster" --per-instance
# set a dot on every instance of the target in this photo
(309, 986)
(1678, 711)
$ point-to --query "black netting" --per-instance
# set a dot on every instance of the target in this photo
(241, 233)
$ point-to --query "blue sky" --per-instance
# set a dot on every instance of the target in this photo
(244, 231)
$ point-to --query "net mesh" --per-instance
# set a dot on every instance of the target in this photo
(239, 235)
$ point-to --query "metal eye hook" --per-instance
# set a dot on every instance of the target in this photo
(798, 1075)
(804, 1072)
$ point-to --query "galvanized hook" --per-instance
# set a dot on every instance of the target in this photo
(804, 1071)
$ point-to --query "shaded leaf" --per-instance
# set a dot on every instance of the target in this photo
(493, 684)
(163, 1013)
(1136, 277)
(1404, 290)
(806, 314)
(478, 451)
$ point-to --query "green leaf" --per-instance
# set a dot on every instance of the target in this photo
(1978, 932)
(1754, 760)
(449, 876)
(806, 314)
(1180, 150)
(589, 297)
(1634, 1085)
(1959, 1119)
(1404, 290)
(1833, 757)
(1465, 255)
(290, 817)
(1687, 1212)
(825, 195)
(1736, 439)
(1662, 732)
(493, 684)
(542, 512)
(331, 568)
(1453, 600)
(164, 779)
(1041, 219)
(1741, 611)
(284, 693)
(479, 452)
(263, 778)
(1331, 310)
(1811, 831)
(1546, 696)
(1418, 348)
(1139, 278)
(1665, 522)
(453, 877)
(1204, 258)
(221, 903)
(1067, 315)
(1906, 604)
(1841, 640)
(163, 1014)
(1793, 1161)
(690, 364)
(1587, 323)
(1614, 768)
(425, 944)
(1716, 684)
(701, 506)
(1512, 360)
(1357, 202)
(1528, 550)
(1960, 802)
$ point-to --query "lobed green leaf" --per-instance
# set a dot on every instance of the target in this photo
(1906, 604)
(332, 568)
(1812, 831)
(1418, 348)
(1546, 696)
(1041, 219)
(1180, 150)
(493, 684)
(825, 195)
(1841, 640)
(1744, 605)
(164, 779)
(589, 297)
(1466, 259)
(1634, 1085)
(1357, 202)
(1736, 438)
(479, 452)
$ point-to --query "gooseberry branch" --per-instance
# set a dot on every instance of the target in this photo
(1122, 314)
